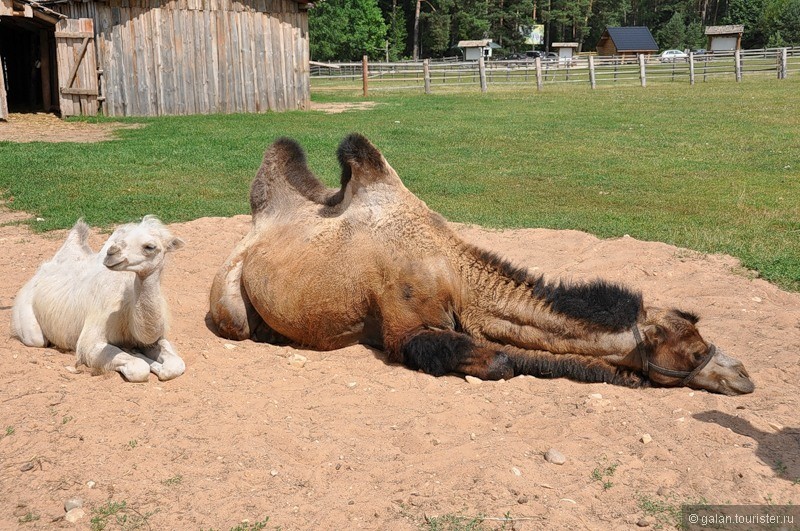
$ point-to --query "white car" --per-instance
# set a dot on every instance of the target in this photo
(671, 56)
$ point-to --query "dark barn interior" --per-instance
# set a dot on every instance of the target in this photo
(26, 45)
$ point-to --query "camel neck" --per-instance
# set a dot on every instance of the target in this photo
(148, 308)
(510, 306)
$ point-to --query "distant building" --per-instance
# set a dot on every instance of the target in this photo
(474, 50)
(627, 41)
(724, 38)
(565, 50)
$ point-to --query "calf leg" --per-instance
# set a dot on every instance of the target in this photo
(24, 324)
(439, 352)
(166, 362)
(95, 352)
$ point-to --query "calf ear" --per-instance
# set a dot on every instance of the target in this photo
(174, 244)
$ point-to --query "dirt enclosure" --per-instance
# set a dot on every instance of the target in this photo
(344, 440)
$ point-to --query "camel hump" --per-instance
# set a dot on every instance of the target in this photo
(362, 161)
(76, 245)
(284, 173)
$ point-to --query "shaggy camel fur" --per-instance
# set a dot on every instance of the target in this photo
(107, 307)
(371, 263)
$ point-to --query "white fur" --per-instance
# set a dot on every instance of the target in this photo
(107, 306)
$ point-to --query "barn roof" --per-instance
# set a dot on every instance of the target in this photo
(632, 39)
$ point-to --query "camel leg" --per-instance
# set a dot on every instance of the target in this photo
(589, 369)
(439, 352)
(166, 364)
(230, 308)
(96, 353)
(24, 324)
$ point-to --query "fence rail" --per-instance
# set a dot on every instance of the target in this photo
(430, 76)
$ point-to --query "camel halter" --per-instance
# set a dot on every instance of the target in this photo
(648, 365)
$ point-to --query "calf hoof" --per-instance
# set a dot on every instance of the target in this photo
(170, 369)
(136, 371)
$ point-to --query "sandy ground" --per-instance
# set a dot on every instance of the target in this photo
(348, 441)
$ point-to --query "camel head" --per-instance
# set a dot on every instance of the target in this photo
(673, 354)
(140, 248)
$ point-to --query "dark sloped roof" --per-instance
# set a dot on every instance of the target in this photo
(632, 39)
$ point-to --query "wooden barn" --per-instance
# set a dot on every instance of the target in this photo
(627, 41)
(153, 57)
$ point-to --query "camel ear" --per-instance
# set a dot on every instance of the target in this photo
(653, 333)
(689, 316)
(175, 244)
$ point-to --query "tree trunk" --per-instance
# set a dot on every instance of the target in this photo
(415, 54)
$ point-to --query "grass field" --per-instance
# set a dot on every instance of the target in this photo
(714, 167)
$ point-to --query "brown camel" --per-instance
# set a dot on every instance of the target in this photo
(371, 263)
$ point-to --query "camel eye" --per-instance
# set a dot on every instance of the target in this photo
(149, 247)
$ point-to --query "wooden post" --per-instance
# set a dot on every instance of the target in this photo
(642, 73)
(737, 66)
(365, 74)
(592, 79)
(482, 73)
(783, 68)
(426, 73)
(44, 70)
(691, 68)
(3, 103)
(538, 63)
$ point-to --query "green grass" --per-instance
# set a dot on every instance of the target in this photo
(714, 167)
(119, 515)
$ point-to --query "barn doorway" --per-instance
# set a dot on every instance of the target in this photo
(28, 59)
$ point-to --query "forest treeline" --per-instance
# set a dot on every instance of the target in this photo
(345, 30)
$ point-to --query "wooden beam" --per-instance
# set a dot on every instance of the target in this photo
(45, 17)
(79, 91)
(74, 71)
(74, 34)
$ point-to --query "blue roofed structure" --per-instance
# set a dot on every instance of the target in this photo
(631, 40)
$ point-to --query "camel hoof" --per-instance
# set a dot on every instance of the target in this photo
(501, 368)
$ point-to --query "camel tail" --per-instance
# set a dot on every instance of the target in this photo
(284, 175)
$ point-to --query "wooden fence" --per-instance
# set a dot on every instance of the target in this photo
(594, 71)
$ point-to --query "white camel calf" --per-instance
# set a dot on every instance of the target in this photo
(108, 306)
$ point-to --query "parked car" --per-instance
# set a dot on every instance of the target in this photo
(671, 56)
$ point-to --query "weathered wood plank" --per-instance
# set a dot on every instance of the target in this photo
(6, 9)
(277, 59)
(74, 34)
(248, 64)
(269, 65)
(168, 84)
(3, 95)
